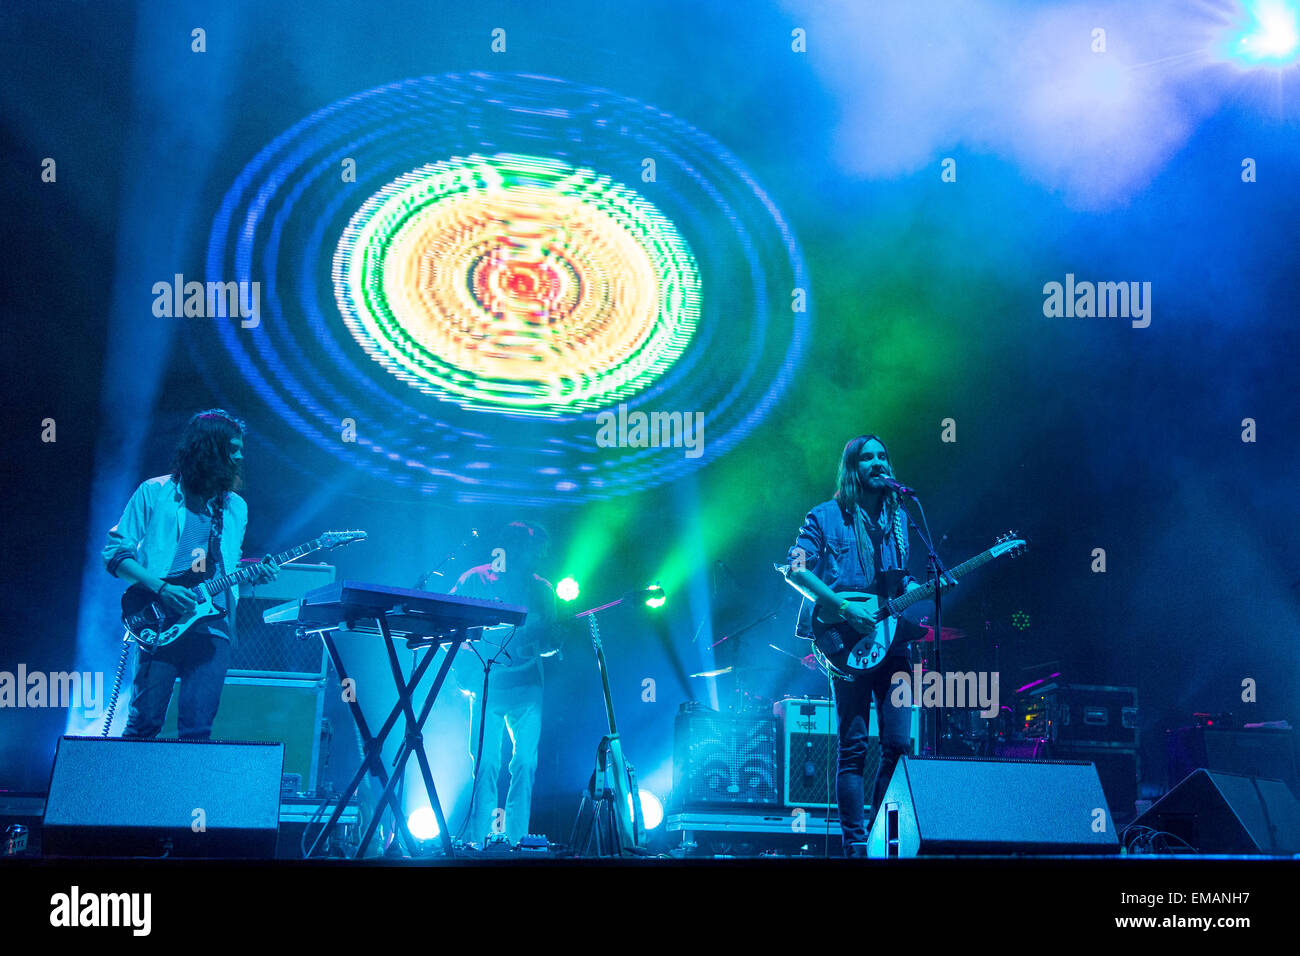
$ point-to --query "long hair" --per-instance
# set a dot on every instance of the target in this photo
(201, 462)
(850, 494)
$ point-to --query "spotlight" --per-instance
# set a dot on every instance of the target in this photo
(567, 589)
(1268, 34)
(652, 811)
(423, 824)
(655, 596)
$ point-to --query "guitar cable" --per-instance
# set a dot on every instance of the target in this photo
(831, 748)
(117, 682)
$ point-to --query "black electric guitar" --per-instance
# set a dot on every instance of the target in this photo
(848, 651)
(152, 623)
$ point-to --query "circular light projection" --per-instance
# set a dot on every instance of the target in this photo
(516, 282)
(652, 810)
(463, 279)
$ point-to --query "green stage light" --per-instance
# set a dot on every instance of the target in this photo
(567, 589)
(656, 596)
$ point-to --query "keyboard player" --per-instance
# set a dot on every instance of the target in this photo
(515, 682)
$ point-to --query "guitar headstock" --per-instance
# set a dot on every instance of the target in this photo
(1010, 544)
(336, 539)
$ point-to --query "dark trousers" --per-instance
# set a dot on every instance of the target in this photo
(853, 710)
(200, 660)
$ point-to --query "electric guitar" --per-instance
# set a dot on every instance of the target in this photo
(847, 651)
(153, 624)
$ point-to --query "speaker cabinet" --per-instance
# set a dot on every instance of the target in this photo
(1215, 812)
(276, 650)
(270, 710)
(1118, 770)
(724, 760)
(155, 798)
(945, 805)
(809, 748)
(1248, 751)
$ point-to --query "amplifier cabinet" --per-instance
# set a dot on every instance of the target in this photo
(724, 760)
(809, 749)
(276, 650)
(1118, 768)
(271, 710)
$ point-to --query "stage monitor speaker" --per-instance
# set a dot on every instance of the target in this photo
(155, 798)
(1266, 752)
(270, 710)
(947, 805)
(1215, 812)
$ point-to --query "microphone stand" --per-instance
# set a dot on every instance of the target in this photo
(938, 573)
(448, 557)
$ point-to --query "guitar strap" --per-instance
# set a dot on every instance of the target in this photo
(214, 548)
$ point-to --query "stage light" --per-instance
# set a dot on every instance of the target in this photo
(1020, 620)
(652, 811)
(655, 596)
(423, 824)
(567, 589)
(1267, 34)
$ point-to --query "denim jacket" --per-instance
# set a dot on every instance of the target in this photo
(150, 530)
(827, 546)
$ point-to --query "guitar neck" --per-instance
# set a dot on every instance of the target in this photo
(244, 575)
(901, 603)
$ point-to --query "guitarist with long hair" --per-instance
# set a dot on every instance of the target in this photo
(858, 541)
(189, 521)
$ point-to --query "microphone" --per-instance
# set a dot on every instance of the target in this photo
(898, 487)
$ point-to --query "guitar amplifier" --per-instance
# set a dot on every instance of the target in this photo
(809, 749)
(723, 760)
(276, 650)
(271, 710)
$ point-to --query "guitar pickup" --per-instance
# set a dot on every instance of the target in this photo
(831, 643)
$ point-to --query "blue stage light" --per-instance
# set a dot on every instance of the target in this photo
(423, 824)
(652, 811)
(1266, 34)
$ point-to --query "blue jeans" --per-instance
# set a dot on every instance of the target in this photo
(853, 710)
(200, 659)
